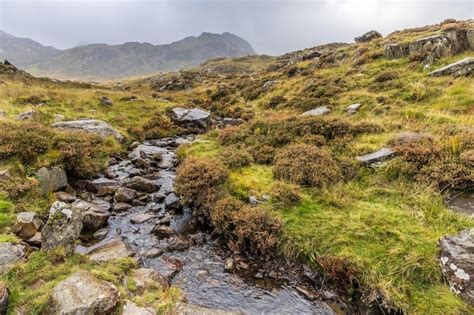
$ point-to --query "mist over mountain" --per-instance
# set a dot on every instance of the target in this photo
(103, 61)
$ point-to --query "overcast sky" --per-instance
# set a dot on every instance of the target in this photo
(271, 26)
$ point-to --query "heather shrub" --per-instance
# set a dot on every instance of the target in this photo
(222, 214)
(306, 165)
(233, 156)
(159, 126)
(263, 154)
(285, 193)
(275, 101)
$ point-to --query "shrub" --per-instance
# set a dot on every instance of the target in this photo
(263, 154)
(235, 157)
(419, 151)
(275, 101)
(292, 71)
(386, 76)
(222, 215)
(306, 165)
(159, 126)
(287, 194)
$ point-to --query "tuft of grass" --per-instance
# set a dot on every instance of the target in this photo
(251, 180)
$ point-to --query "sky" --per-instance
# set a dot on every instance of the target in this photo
(271, 26)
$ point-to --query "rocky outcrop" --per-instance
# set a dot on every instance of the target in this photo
(52, 179)
(367, 37)
(192, 119)
(93, 217)
(83, 294)
(9, 255)
(319, 111)
(395, 51)
(459, 68)
(98, 127)
(26, 225)
(63, 227)
(457, 263)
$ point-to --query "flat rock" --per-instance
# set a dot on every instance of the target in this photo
(52, 179)
(459, 68)
(141, 217)
(172, 201)
(193, 119)
(26, 225)
(93, 217)
(26, 115)
(142, 184)
(319, 111)
(376, 157)
(131, 308)
(83, 294)
(167, 267)
(121, 207)
(103, 186)
(145, 278)
(9, 255)
(125, 194)
(457, 263)
(98, 127)
(462, 203)
(110, 250)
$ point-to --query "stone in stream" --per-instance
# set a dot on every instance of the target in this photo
(131, 308)
(93, 217)
(178, 243)
(142, 184)
(9, 255)
(460, 68)
(145, 278)
(354, 108)
(189, 309)
(172, 201)
(141, 217)
(376, 157)
(81, 293)
(104, 205)
(26, 224)
(110, 250)
(167, 267)
(63, 227)
(125, 194)
(64, 196)
(457, 263)
(104, 184)
(4, 298)
(319, 111)
(194, 119)
(163, 231)
(100, 234)
(98, 127)
(52, 179)
(121, 207)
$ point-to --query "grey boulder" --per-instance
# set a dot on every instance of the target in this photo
(95, 126)
(142, 184)
(367, 37)
(52, 179)
(9, 255)
(193, 119)
(26, 225)
(319, 111)
(93, 216)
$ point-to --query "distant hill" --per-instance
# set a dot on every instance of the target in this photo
(102, 61)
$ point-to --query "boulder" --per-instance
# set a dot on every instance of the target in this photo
(367, 37)
(167, 267)
(354, 108)
(194, 119)
(103, 186)
(93, 217)
(64, 196)
(26, 225)
(26, 115)
(63, 227)
(172, 201)
(4, 297)
(457, 263)
(323, 110)
(142, 184)
(94, 126)
(125, 194)
(141, 217)
(145, 278)
(121, 207)
(459, 68)
(4, 175)
(376, 157)
(395, 51)
(35, 240)
(105, 101)
(52, 179)
(9, 255)
(82, 294)
(163, 231)
(110, 250)
(131, 308)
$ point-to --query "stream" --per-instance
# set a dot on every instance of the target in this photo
(164, 236)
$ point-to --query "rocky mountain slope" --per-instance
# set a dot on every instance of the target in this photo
(337, 179)
(102, 61)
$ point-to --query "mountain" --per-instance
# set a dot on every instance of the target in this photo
(24, 52)
(102, 61)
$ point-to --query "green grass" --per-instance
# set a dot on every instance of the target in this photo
(199, 149)
(251, 180)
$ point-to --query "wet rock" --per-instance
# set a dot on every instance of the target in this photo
(104, 205)
(319, 111)
(131, 308)
(4, 298)
(98, 127)
(105, 101)
(121, 207)
(4, 175)
(153, 253)
(93, 217)
(142, 184)
(9, 255)
(64, 196)
(395, 51)
(167, 267)
(52, 179)
(195, 120)
(367, 37)
(125, 194)
(26, 115)
(376, 157)
(82, 293)
(63, 227)
(163, 231)
(141, 217)
(26, 225)
(145, 278)
(110, 250)
(460, 68)
(354, 108)
(189, 309)
(35, 240)
(172, 201)
(178, 243)
(457, 257)
(103, 184)
(100, 234)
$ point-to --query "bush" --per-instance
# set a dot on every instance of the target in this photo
(275, 101)
(159, 126)
(222, 215)
(386, 76)
(287, 194)
(235, 157)
(263, 154)
(306, 165)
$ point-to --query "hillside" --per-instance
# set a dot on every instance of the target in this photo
(334, 179)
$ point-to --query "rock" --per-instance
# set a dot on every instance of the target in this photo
(323, 110)
(163, 231)
(125, 194)
(52, 179)
(110, 250)
(93, 217)
(98, 127)
(58, 117)
(35, 240)
(462, 202)
(460, 68)
(367, 37)
(376, 157)
(153, 253)
(105, 101)
(172, 201)
(457, 263)
(131, 308)
(178, 243)
(9, 255)
(26, 224)
(189, 309)
(142, 184)
(141, 217)
(167, 267)
(145, 278)
(63, 227)
(195, 120)
(354, 108)
(395, 51)
(103, 186)
(269, 85)
(253, 201)
(4, 175)
(104, 205)
(100, 234)
(229, 264)
(121, 207)
(64, 196)
(81, 293)
(26, 115)
(4, 297)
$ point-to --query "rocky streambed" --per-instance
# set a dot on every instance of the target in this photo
(146, 221)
